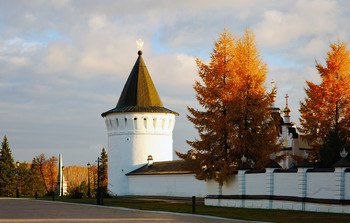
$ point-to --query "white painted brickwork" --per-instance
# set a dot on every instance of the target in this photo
(302, 190)
(177, 185)
(131, 138)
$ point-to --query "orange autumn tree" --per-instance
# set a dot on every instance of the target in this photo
(325, 113)
(47, 168)
(237, 119)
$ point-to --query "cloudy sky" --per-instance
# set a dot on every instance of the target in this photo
(63, 63)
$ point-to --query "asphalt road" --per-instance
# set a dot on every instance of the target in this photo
(24, 210)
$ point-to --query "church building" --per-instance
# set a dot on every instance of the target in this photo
(292, 144)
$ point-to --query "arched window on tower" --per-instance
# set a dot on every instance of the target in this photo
(163, 123)
(170, 121)
(135, 122)
(145, 122)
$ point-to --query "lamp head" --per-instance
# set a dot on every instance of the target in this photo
(150, 160)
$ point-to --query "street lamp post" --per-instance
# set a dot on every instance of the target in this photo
(17, 190)
(89, 192)
(98, 182)
(62, 186)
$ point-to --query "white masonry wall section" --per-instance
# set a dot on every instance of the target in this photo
(132, 137)
(347, 188)
(177, 185)
(286, 180)
(321, 185)
(301, 190)
(258, 187)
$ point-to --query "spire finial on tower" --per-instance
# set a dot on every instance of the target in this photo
(139, 43)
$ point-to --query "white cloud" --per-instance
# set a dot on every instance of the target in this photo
(16, 46)
(173, 69)
(303, 19)
(30, 17)
(97, 22)
(316, 46)
(60, 57)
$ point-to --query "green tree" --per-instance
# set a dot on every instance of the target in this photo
(24, 179)
(36, 182)
(103, 173)
(7, 171)
(78, 191)
(237, 119)
(329, 151)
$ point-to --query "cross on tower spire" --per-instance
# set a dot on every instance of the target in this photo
(286, 110)
(273, 93)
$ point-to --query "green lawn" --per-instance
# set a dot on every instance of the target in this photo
(226, 212)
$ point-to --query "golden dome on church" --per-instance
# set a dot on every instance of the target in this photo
(286, 109)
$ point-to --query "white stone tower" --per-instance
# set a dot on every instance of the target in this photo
(137, 127)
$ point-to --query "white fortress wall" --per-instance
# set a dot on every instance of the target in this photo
(347, 186)
(177, 185)
(231, 186)
(324, 191)
(286, 180)
(256, 183)
(320, 185)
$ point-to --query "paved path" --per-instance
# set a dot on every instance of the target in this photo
(24, 210)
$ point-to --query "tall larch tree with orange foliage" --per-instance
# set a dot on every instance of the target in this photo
(325, 113)
(237, 119)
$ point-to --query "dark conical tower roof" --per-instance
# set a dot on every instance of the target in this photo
(139, 93)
